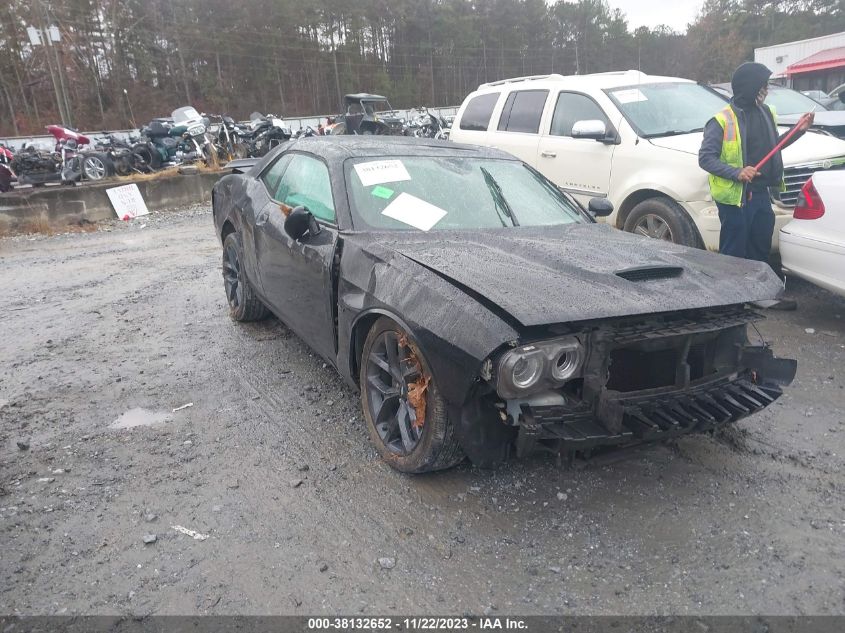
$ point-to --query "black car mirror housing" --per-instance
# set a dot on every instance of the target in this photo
(600, 207)
(301, 222)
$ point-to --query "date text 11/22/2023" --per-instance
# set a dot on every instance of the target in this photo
(420, 623)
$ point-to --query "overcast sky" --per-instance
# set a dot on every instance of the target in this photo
(675, 13)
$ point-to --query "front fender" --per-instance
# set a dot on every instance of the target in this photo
(454, 331)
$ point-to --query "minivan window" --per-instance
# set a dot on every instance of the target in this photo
(522, 111)
(478, 112)
(572, 107)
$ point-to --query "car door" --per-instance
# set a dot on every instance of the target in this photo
(580, 166)
(296, 275)
(517, 130)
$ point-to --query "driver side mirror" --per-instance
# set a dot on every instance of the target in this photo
(600, 207)
(300, 222)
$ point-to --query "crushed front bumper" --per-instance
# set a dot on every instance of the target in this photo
(633, 413)
(646, 417)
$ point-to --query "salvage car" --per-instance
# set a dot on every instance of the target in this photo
(479, 310)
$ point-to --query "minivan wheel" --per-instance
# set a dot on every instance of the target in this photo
(662, 219)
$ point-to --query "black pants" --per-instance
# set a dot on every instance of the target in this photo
(747, 231)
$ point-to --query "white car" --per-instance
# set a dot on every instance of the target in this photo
(630, 137)
(812, 246)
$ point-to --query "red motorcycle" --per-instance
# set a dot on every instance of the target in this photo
(6, 173)
(69, 162)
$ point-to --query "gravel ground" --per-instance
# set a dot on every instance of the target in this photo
(272, 463)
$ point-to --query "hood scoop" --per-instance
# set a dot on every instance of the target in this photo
(647, 273)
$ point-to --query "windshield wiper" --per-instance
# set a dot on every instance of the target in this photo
(498, 197)
(673, 133)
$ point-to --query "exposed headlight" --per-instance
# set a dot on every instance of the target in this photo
(567, 361)
(526, 371)
(543, 364)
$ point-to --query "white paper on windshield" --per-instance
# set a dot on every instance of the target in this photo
(414, 212)
(377, 172)
(629, 95)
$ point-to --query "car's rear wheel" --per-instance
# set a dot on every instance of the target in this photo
(405, 413)
(244, 305)
(662, 219)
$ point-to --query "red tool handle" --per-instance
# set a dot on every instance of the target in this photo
(786, 138)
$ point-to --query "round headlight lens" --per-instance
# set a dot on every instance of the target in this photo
(526, 371)
(566, 364)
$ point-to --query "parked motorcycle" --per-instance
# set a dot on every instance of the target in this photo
(227, 136)
(426, 124)
(7, 176)
(163, 144)
(196, 132)
(69, 162)
(305, 132)
(122, 155)
(265, 133)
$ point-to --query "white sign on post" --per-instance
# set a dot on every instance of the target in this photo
(127, 201)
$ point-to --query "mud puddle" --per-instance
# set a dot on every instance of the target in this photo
(140, 417)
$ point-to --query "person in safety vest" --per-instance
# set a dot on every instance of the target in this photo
(735, 140)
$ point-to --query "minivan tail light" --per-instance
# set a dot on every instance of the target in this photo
(809, 205)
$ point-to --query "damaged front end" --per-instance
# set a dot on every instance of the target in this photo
(626, 381)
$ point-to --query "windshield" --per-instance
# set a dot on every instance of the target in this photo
(664, 109)
(428, 193)
(377, 106)
(788, 101)
(181, 115)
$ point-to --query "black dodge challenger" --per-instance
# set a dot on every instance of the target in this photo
(479, 310)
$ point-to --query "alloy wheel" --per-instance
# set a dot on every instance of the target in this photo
(231, 276)
(392, 371)
(654, 226)
(95, 168)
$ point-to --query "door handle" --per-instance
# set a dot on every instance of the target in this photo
(545, 154)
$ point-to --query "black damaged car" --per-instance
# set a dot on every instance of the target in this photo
(480, 311)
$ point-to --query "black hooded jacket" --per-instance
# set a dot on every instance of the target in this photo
(757, 130)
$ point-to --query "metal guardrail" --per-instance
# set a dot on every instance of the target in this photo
(46, 141)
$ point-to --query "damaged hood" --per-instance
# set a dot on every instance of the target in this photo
(577, 272)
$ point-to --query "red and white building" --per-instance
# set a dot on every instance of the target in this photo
(813, 64)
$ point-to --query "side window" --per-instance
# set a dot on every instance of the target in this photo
(523, 110)
(306, 183)
(572, 107)
(273, 175)
(478, 112)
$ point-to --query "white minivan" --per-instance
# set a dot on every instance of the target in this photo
(630, 137)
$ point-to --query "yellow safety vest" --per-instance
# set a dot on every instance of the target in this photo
(722, 189)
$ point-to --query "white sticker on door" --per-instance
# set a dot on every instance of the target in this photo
(414, 212)
(377, 172)
(630, 95)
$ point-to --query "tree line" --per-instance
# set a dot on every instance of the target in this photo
(117, 63)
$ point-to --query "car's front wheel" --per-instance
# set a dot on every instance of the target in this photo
(662, 219)
(244, 305)
(405, 413)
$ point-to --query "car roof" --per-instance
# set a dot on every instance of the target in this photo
(365, 95)
(352, 146)
(596, 81)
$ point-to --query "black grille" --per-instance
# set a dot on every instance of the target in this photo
(651, 417)
(796, 178)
